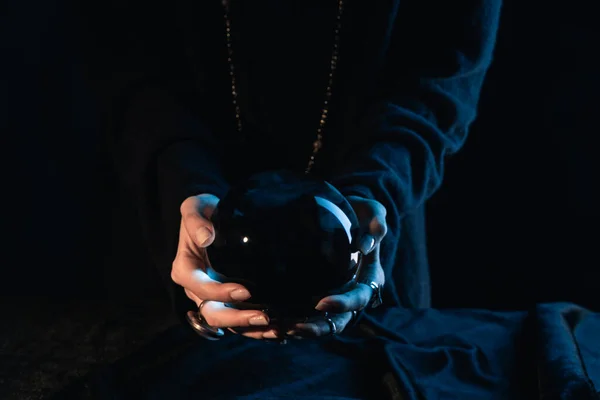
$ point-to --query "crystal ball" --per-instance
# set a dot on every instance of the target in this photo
(288, 239)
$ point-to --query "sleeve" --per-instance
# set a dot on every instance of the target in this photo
(435, 67)
(163, 153)
(141, 61)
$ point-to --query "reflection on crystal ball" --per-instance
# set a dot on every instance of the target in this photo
(289, 241)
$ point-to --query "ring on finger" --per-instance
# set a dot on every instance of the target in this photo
(376, 297)
(201, 327)
(332, 326)
(202, 306)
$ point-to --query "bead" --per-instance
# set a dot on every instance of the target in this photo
(317, 144)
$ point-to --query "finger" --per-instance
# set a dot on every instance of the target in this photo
(360, 296)
(355, 299)
(366, 243)
(193, 297)
(219, 316)
(266, 333)
(196, 212)
(254, 333)
(320, 327)
(373, 232)
(373, 228)
(186, 273)
(261, 333)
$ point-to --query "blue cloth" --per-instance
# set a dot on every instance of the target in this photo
(551, 352)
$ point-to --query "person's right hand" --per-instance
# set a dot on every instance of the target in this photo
(189, 271)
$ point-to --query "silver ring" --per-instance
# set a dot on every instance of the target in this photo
(332, 326)
(202, 305)
(199, 325)
(354, 316)
(376, 299)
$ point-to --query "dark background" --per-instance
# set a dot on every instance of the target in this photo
(515, 223)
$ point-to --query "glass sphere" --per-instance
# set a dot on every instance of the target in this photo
(288, 239)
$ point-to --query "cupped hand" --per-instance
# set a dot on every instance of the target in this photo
(196, 233)
(371, 216)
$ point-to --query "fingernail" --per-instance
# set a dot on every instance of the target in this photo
(367, 243)
(258, 320)
(240, 294)
(203, 235)
(270, 335)
(322, 306)
(291, 332)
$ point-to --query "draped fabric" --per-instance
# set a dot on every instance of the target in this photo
(550, 352)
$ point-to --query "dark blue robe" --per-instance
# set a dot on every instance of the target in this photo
(406, 92)
(407, 87)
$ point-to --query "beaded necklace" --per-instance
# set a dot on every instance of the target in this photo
(318, 143)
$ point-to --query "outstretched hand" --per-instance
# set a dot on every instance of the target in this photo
(189, 271)
(371, 216)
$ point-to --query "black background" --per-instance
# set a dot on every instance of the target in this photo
(515, 222)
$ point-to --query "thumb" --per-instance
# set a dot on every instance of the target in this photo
(196, 212)
(371, 216)
(370, 269)
(371, 235)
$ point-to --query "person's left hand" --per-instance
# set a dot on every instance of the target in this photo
(371, 216)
